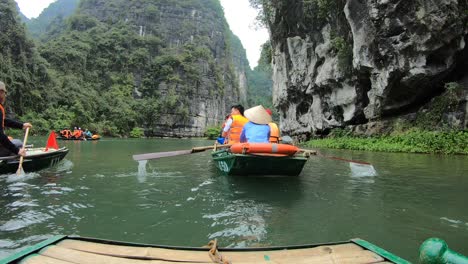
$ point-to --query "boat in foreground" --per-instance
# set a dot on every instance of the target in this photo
(71, 249)
(260, 159)
(36, 159)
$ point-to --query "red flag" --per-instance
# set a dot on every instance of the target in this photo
(51, 142)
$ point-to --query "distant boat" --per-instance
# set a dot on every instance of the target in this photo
(72, 249)
(36, 159)
(95, 137)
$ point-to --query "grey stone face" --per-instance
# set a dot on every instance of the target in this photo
(402, 53)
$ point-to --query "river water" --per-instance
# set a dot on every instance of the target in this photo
(98, 191)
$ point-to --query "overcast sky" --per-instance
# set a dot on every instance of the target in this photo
(240, 16)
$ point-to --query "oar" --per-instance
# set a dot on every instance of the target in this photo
(157, 155)
(20, 166)
(367, 165)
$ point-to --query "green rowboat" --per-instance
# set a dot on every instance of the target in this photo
(255, 164)
(36, 159)
(71, 249)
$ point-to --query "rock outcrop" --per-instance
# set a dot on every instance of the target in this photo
(354, 62)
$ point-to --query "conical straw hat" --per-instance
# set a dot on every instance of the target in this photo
(258, 115)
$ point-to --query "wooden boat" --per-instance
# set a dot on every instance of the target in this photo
(36, 159)
(71, 249)
(82, 139)
(258, 164)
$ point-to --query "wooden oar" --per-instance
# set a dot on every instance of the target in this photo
(157, 155)
(20, 166)
(313, 152)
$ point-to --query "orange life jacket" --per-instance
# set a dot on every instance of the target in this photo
(238, 122)
(3, 119)
(66, 133)
(274, 133)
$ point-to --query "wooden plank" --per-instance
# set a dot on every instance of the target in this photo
(201, 256)
(38, 259)
(136, 252)
(343, 253)
(81, 257)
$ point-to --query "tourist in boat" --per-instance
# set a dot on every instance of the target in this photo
(221, 139)
(274, 130)
(66, 133)
(234, 124)
(257, 129)
(15, 146)
(88, 133)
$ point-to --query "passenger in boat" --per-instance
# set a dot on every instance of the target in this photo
(88, 133)
(66, 133)
(15, 146)
(274, 130)
(257, 129)
(221, 139)
(233, 126)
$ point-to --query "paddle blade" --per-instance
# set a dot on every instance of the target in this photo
(52, 142)
(20, 170)
(362, 170)
(158, 155)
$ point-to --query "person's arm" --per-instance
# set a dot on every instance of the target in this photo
(4, 138)
(227, 127)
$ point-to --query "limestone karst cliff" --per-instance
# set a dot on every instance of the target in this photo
(356, 63)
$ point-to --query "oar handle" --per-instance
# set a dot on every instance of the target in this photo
(22, 158)
(200, 149)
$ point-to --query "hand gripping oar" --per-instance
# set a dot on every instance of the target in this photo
(20, 166)
(157, 155)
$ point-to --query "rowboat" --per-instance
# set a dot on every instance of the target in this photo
(79, 139)
(230, 163)
(36, 159)
(73, 249)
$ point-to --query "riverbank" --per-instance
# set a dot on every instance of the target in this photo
(413, 141)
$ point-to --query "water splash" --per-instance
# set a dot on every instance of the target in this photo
(362, 170)
(23, 177)
(142, 170)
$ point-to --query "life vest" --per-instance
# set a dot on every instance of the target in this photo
(3, 116)
(77, 133)
(238, 122)
(264, 148)
(66, 133)
(274, 133)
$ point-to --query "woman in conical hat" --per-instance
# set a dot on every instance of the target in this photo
(257, 129)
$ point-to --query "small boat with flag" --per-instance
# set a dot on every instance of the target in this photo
(73, 249)
(35, 159)
(261, 159)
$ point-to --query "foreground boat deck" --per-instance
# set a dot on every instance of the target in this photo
(62, 250)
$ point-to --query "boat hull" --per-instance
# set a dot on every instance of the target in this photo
(70, 249)
(78, 139)
(258, 165)
(36, 159)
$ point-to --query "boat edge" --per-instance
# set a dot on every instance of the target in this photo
(32, 249)
(380, 251)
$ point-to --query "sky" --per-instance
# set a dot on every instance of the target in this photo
(240, 17)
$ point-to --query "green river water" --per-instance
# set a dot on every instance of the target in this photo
(98, 191)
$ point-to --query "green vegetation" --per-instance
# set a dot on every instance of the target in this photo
(55, 13)
(114, 67)
(213, 132)
(137, 132)
(413, 141)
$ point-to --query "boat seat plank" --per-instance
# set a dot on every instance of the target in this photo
(39, 259)
(87, 252)
(201, 256)
(136, 252)
(81, 257)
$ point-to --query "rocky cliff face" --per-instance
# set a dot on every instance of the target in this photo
(198, 28)
(357, 62)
